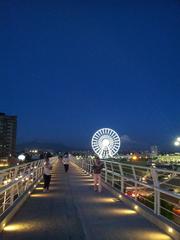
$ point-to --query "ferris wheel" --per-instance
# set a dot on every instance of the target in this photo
(105, 142)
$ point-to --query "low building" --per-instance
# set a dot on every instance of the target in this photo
(169, 158)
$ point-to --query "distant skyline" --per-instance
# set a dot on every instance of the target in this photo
(69, 68)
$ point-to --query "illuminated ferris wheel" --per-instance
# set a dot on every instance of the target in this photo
(105, 143)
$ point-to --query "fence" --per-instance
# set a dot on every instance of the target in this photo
(156, 189)
(17, 180)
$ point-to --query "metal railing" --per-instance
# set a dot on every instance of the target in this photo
(17, 180)
(156, 189)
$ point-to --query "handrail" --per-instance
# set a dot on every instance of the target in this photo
(141, 167)
(155, 188)
(19, 179)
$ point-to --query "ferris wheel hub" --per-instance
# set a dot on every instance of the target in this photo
(105, 142)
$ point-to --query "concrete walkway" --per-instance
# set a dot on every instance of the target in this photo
(73, 211)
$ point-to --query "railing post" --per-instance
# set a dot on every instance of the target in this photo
(15, 173)
(82, 163)
(122, 177)
(105, 166)
(4, 201)
(135, 178)
(11, 196)
(89, 165)
(90, 170)
(112, 172)
(156, 191)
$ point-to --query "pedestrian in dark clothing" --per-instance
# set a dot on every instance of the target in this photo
(97, 167)
(65, 161)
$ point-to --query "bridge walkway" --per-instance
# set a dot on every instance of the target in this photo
(71, 210)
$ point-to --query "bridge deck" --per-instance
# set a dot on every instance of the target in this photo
(73, 211)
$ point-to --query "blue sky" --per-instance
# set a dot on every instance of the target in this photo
(69, 68)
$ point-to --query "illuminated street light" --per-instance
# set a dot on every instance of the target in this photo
(21, 157)
(177, 142)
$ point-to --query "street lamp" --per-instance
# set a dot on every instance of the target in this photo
(177, 142)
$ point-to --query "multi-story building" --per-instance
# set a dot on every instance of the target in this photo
(8, 125)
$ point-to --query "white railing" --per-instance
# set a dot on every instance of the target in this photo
(17, 180)
(156, 189)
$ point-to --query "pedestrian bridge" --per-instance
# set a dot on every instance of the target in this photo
(72, 210)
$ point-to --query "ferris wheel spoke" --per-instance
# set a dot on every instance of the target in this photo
(116, 144)
(109, 131)
(102, 131)
(98, 134)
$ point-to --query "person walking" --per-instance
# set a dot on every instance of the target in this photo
(97, 167)
(65, 161)
(47, 174)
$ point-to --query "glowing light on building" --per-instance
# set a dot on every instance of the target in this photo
(134, 157)
(21, 157)
(105, 143)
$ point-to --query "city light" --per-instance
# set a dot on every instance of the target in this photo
(33, 151)
(4, 164)
(177, 141)
(134, 157)
(21, 157)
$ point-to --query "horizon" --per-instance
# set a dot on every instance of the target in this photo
(58, 145)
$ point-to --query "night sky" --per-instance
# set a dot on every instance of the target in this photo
(68, 68)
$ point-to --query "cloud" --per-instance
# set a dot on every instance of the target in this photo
(126, 139)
